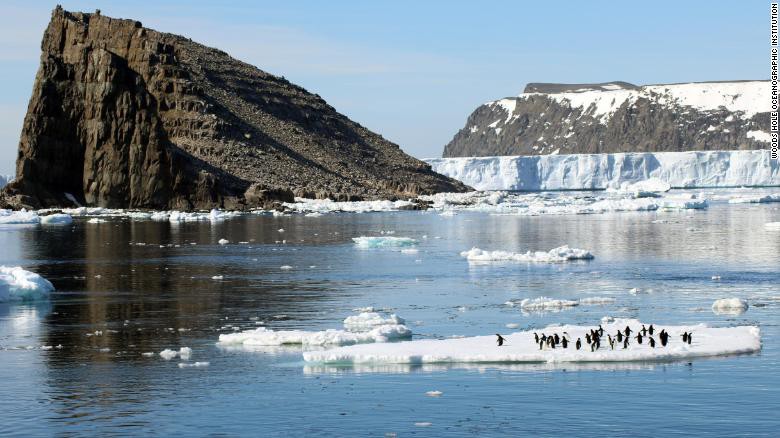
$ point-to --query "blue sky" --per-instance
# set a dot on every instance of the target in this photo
(412, 70)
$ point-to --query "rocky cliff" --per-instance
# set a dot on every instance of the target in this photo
(618, 117)
(124, 116)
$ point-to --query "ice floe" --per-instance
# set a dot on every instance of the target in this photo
(730, 306)
(383, 241)
(304, 205)
(266, 337)
(20, 217)
(57, 219)
(545, 303)
(184, 353)
(555, 255)
(371, 319)
(18, 284)
(520, 347)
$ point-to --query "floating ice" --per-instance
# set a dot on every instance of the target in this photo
(434, 393)
(56, 219)
(555, 255)
(521, 348)
(760, 199)
(266, 337)
(17, 284)
(193, 365)
(96, 220)
(285, 267)
(367, 320)
(545, 303)
(223, 241)
(303, 205)
(596, 301)
(642, 189)
(21, 217)
(383, 241)
(184, 353)
(730, 306)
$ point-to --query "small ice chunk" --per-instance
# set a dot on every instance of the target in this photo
(285, 267)
(223, 241)
(512, 325)
(217, 277)
(434, 393)
(555, 255)
(371, 319)
(383, 241)
(730, 306)
(545, 303)
(193, 365)
(17, 284)
(57, 219)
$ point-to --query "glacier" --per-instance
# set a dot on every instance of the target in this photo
(692, 169)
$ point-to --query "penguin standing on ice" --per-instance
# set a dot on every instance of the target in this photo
(611, 342)
(619, 336)
(628, 331)
(651, 329)
(639, 337)
(625, 343)
(536, 337)
(500, 340)
(557, 338)
(579, 343)
(564, 343)
(587, 338)
(541, 344)
(601, 330)
(664, 337)
(652, 342)
(644, 330)
(685, 337)
(690, 338)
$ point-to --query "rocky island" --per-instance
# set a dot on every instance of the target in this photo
(127, 117)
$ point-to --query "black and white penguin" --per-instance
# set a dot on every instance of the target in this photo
(625, 343)
(685, 337)
(564, 343)
(690, 338)
(579, 343)
(664, 337)
(601, 330)
(639, 337)
(619, 336)
(651, 329)
(652, 342)
(541, 344)
(611, 342)
(500, 340)
(536, 337)
(627, 331)
(644, 330)
(557, 338)
(587, 338)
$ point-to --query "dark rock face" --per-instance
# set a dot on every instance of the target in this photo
(677, 117)
(124, 116)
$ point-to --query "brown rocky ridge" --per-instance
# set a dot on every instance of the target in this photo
(127, 117)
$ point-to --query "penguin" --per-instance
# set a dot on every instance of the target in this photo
(639, 337)
(625, 343)
(601, 330)
(579, 343)
(611, 342)
(619, 336)
(557, 339)
(541, 344)
(565, 343)
(587, 338)
(685, 337)
(652, 342)
(500, 340)
(598, 343)
(690, 338)
(536, 337)
(651, 329)
(552, 343)
(628, 331)
(644, 330)
(593, 347)
(664, 338)
(544, 337)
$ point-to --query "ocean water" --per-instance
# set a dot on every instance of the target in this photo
(159, 295)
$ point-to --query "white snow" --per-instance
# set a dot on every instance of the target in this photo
(383, 241)
(730, 306)
(641, 189)
(521, 348)
(759, 136)
(18, 284)
(772, 225)
(601, 171)
(555, 255)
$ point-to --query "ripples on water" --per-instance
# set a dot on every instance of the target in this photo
(156, 296)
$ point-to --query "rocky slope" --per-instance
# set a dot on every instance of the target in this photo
(124, 116)
(618, 117)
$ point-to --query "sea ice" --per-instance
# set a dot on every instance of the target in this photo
(368, 320)
(21, 217)
(266, 337)
(17, 284)
(184, 353)
(383, 241)
(555, 255)
(303, 205)
(56, 219)
(520, 347)
(545, 303)
(193, 365)
(730, 306)
(223, 241)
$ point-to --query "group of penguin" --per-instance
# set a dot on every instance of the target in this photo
(594, 337)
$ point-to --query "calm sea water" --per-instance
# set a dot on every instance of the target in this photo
(147, 298)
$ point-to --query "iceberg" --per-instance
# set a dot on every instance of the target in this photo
(694, 169)
(383, 242)
(21, 217)
(17, 284)
(57, 219)
(555, 255)
(520, 347)
(371, 319)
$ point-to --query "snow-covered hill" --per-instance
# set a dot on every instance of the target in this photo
(601, 171)
(618, 117)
